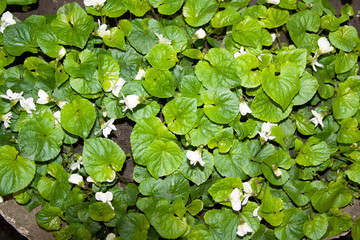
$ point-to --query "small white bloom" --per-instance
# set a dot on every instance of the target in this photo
(195, 157)
(6, 118)
(102, 31)
(277, 171)
(90, 180)
(110, 236)
(140, 74)
(57, 117)
(61, 103)
(107, 127)
(240, 52)
(243, 229)
(315, 64)
(324, 45)
(94, 3)
(6, 19)
(61, 53)
(273, 36)
(255, 213)
(317, 118)
(131, 101)
(248, 192)
(200, 34)
(244, 108)
(118, 86)
(28, 104)
(266, 131)
(235, 199)
(76, 179)
(12, 96)
(1, 199)
(276, 2)
(109, 180)
(162, 39)
(43, 97)
(76, 165)
(105, 198)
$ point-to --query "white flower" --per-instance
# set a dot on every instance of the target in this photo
(117, 87)
(6, 20)
(255, 213)
(315, 64)
(109, 180)
(107, 127)
(243, 229)
(317, 119)
(324, 45)
(61, 103)
(90, 180)
(140, 74)
(273, 36)
(94, 3)
(12, 96)
(273, 1)
(244, 108)
(43, 97)
(240, 52)
(235, 199)
(1, 199)
(248, 192)
(266, 131)
(102, 31)
(76, 165)
(57, 117)
(6, 118)
(162, 39)
(277, 171)
(200, 34)
(28, 104)
(105, 198)
(110, 236)
(195, 157)
(131, 101)
(76, 179)
(61, 53)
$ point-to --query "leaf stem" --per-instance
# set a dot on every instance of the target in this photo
(278, 37)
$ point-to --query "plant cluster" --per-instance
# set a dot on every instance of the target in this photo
(237, 135)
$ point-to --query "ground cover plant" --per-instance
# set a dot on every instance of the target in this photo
(237, 135)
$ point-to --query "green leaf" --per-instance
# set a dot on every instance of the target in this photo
(199, 12)
(354, 172)
(200, 231)
(176, 36)
(330, 22)
(48, 42)
(133, 226)
(101, 212)
(163, 158)
(295, 188)
(348, 132)
(180, 115)
(346, 103)
(162, 218)
(167, 7)
(78, 117)
(159, 83)
(115, 39)
(111, 8)
(313, 153)
(145, 111)
(283, 88)
(137, 7)
(145, 132)
(49, 218)
(355, 230)
(108, 72)
(218, 70)
(275, 17)
(221, 190)
(338, 224)
(81, 65)
(41, 130)
(20, 38)
(223, 140)
(221, 106)
(247, 33)
(20, 2)
(196, 173)
(232, 163)
(316, 227)
(195, 207)
(225, 18)
(298, 57)
(345, 38)
(292, 225)
(16, 172)
(263, 234)
(162, 56)
(308, 87)
(41, 72)
(279, 159)
(270, 208)
(102, 158)
(267, 110)
(73, 25)
(344, 62)
(86, 86)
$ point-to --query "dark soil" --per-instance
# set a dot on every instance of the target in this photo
(122, 135)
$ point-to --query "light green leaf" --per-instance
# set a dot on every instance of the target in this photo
(133, 226)
(218, 70)
(176, 36)
(295, 188)
(167, 7)
(195, 207)
(162, 56)
(275, 17)
(297, 57)
(78, 117)
(346, 103)
(281, 160)
(200, 231)
(137, 7)
(41, 72)
(221, 190)
(159, 83)
(223, 140)
(344, 62)
(49, 218)
(101, 212)
(196, 173)
(316, 227)
(86, 86)
(354, 172)
(145, 111)
(338, 224)
(308, 87)
(20, 38)
(102, 158)
(330, 22)
(292, 225)
(16, 172)
(115, 39)
(348, 132)
(345, 38)
(108, 72)
(355, 230)
(247, 32)
(81, 65)
(111, 8)
(221, 106)
(225, 18)
(48, 42)
(199, 12)
(313, 153)
(163, 158)
(264, 108)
